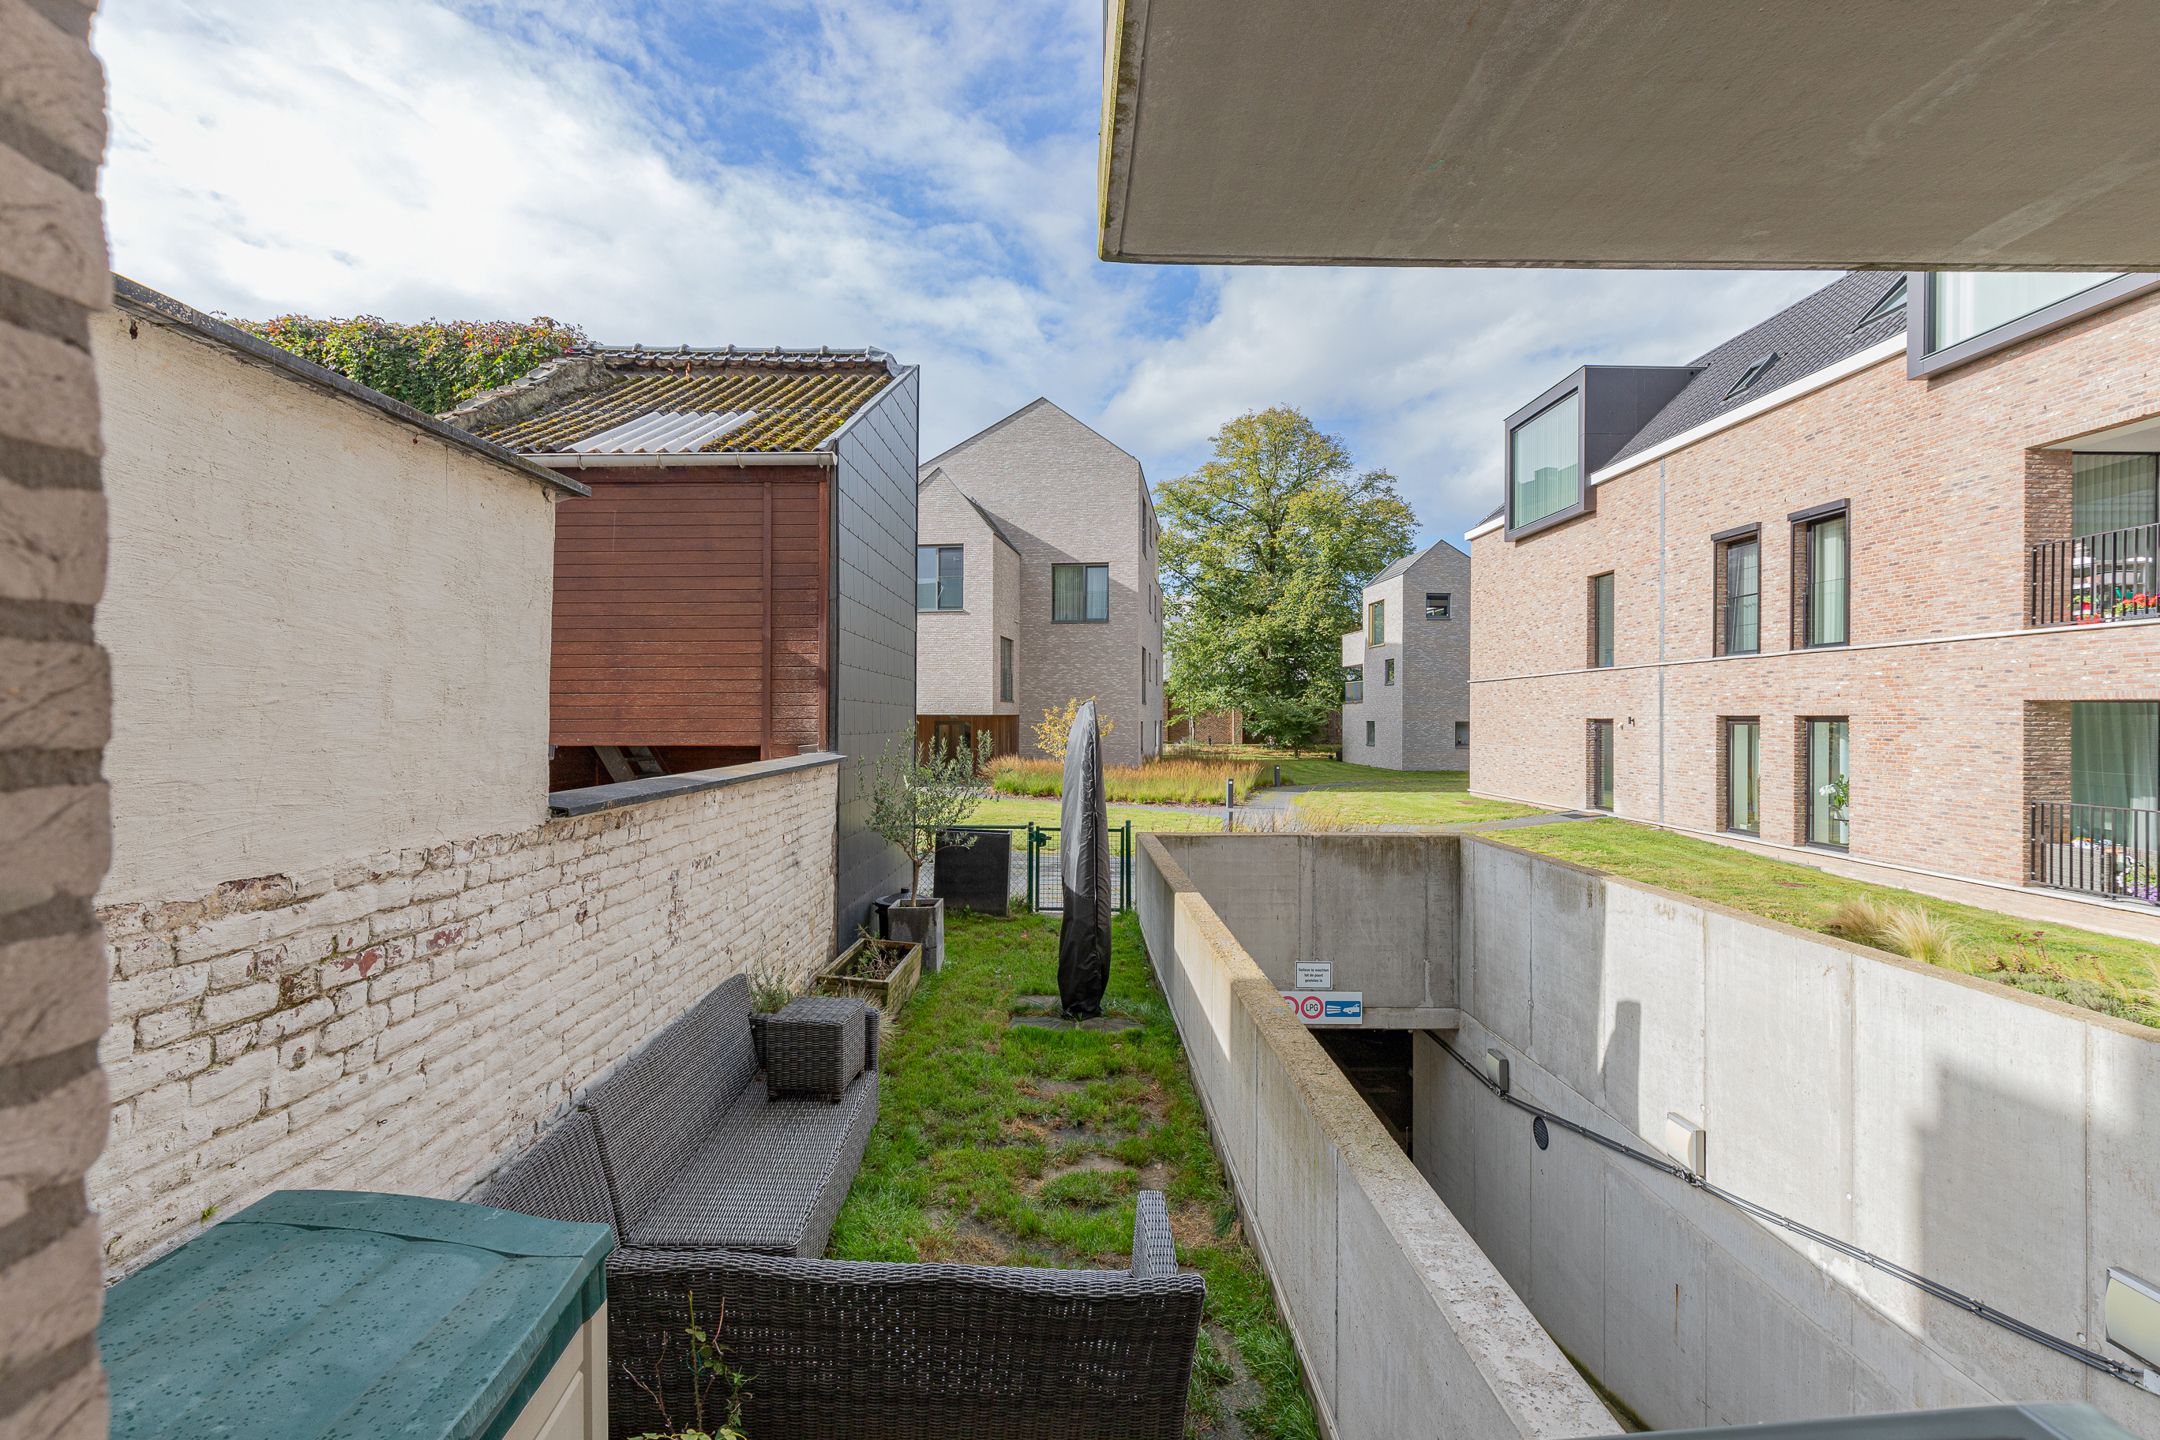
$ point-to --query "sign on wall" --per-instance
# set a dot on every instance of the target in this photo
(1326, 1007)
(1315, 974)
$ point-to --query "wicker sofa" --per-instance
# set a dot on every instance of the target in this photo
(717, 1195)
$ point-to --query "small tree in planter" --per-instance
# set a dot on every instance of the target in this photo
(914, 796)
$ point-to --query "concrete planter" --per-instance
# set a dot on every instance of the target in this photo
(919, 924)
(892, 967)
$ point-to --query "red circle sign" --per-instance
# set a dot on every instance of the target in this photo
(1310, 1007)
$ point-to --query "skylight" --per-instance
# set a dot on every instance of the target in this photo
(1892, 301)
(1753, 373)
(663, 432)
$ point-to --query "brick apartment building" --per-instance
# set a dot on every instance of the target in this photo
(1406, 670)
(1876, 577)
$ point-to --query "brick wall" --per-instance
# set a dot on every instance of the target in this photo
(1950, 479)
(408, 1022)
(55, 707)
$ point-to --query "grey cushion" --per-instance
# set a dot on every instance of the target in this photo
(769, 1179)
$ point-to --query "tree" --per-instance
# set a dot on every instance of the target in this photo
(917, 795)
(1055, 728)
(432, 365)
(1266, 549)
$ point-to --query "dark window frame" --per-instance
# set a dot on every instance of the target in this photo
(1898, 296)
(1353, 679)
(1603, 777)
(1083, 566)
(1370, 731)
(1920, 320)
(1722, 544)
(959, 580)
(1462, 734)
(1803, 579)
(1446, 607)
(1586, 495)
(1752, 375)
(1387, 672)
(1603, 631)
(1725, 811)
(1376, 622)
(1808, 783)
(1005, 670)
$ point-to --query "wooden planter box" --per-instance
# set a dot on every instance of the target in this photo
(888, 994)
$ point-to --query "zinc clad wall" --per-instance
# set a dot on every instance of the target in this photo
(690, 607)
(874, 631)
(53, 719)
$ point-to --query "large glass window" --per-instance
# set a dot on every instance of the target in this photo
(1376, 623)
(1601, 621)
(938, 571)
(1005, 668)
(1079, 594)
(1545, 456)
(1829, 783)
(1353, 685)
(1968, 302)
(1827, 582)
(1740, 628)
(1743, 776)
(2112, 492)
(1601, 764)
(2115, 754)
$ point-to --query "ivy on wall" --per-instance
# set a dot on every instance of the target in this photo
(431, 365)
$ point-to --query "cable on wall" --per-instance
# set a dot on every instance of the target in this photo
(2107, 1365)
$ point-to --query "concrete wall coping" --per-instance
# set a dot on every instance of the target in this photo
(591, 799)
(2130, 1029)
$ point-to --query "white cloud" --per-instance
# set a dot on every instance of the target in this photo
(567, 157)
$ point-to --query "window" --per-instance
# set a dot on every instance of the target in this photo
(1376, 623)
(1079, 594)
(1965, 304)
(1892, 301)
(1739, 594)
(1462, 734)
(1601, 764)
(1601, 621)
(1828, 770)
(1005, 668)
(1753, 373)
(937, 577)
(1822, 578)
(1387, 672)
(2114, 760)
(952, 737)
(1144, 672)
(1437, 604)
(1743, 776)
(2112, 492)
(1545, 463)
(1369, 732)
(1353, 685)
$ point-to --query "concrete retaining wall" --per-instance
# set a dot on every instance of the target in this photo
(2005, 1145)
(1404, 1326)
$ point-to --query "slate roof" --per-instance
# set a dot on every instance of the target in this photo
(797, 399)
(1811, 335)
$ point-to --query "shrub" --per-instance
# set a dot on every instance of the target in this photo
(1159, 782)
(1055, 728)
(1919, 935)
(431, 365)
(1862, 920)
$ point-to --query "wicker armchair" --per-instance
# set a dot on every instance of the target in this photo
(839, 1350)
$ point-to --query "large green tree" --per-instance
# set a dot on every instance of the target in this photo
(1265, 549)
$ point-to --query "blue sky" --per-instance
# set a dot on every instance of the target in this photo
(915, 176)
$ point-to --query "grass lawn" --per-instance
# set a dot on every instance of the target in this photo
(2100, 972)
(1369, 795)
(1011, 810)
(998, 1146)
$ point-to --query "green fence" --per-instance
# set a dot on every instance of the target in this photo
(1034, 879)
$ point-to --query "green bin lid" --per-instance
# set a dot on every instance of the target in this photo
(315, 1314)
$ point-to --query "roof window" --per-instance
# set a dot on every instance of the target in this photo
(1892, 301)
(1753, 373)
(664, 432)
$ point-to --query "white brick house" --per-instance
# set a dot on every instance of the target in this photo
(1406, 690)
(1036, 583)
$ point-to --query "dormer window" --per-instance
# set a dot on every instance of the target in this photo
(1892, 301)
(1546, 468)
(1753, 373)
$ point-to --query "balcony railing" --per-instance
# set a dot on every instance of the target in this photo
(1353, 691)
(2096, 849)
(2094, 578)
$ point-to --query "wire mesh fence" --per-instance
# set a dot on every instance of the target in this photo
(1033, 878)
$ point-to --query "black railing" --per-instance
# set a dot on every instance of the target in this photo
(2096, 849)
(1034, 875)
(2114, 575)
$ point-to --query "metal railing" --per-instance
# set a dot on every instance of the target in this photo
(2114, 575)
(1034, 873)
(2094, 849)
(1353, 691)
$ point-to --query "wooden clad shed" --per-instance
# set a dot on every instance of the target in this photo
(736, 587)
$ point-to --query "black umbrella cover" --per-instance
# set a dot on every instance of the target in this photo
(1084, 870)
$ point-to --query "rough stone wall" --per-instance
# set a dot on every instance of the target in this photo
(1945, 492)
(1068, 496)
(55, 708)
(408, 1022)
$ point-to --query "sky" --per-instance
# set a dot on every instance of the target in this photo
(918, 176)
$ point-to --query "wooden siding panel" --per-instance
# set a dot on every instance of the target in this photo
(688, 610)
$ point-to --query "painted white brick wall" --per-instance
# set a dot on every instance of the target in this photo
(408, 1023)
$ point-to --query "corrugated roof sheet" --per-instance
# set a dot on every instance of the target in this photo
(1811, 335)
(796, 400)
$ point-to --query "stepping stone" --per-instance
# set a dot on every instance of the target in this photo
(1100, 1023)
